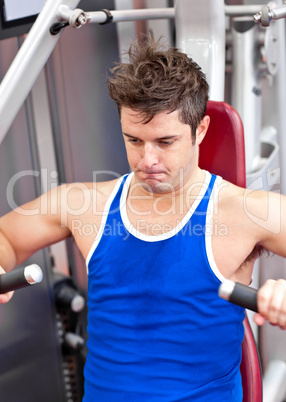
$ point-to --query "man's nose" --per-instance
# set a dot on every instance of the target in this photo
(150, 156)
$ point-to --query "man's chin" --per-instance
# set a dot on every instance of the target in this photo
(156, 187)
(154, 182)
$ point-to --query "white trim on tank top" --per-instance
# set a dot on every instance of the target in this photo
(208, 234)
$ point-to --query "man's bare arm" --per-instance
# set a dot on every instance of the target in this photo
(268, 212)
(49, 219)
(31, 227)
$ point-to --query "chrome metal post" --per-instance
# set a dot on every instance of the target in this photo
(200, 32)
(246, 88)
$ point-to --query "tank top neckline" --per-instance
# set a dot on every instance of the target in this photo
(167, 235)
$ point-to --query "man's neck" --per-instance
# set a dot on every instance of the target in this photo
(177, 201)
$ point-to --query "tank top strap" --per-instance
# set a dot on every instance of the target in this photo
(112, 205)
(208, 194)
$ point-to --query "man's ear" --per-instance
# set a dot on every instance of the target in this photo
(202, 129)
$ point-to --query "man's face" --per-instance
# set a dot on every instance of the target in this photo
(160, 152)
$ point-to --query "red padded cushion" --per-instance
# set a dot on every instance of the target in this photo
(250, 367)
(222, 150)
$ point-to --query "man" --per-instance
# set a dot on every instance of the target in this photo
(164, 239)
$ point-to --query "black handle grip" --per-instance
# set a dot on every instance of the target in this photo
(239, 294)
(20, 278)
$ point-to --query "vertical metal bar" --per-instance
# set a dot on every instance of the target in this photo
(281, 100)
(43, 137)
(140, 26)
(200, 32)
(274, 384)
(126, 31)
(246, 86)
(55, 123)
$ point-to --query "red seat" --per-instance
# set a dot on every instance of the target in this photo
(222, 153)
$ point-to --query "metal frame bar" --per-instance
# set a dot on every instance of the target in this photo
(132, 15)
(200, 33)
(243, 10)
(100, 17)
(278, 13)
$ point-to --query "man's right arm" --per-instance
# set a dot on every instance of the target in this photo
(29, 228)
(7, 253)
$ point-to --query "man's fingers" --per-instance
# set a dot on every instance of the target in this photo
(271, 300)
(5, 297)
(258, 319)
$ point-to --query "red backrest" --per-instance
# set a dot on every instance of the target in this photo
(222, 150)
(222, 153)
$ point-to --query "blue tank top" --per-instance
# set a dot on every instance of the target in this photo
(157, 330)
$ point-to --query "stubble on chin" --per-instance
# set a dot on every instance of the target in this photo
(158, 188)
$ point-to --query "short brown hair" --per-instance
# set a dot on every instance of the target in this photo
(158, 80)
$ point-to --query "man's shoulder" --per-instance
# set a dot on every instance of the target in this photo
(257, 208)
(229, 194)
(103, 189)
(83, 196)
(250, 199)
(233, 196)
(89, 192)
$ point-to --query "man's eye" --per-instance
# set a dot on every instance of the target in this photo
(133, 141)
(166, 142)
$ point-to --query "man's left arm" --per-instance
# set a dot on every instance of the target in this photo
(268, 211)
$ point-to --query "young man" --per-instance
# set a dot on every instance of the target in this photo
(164, 239)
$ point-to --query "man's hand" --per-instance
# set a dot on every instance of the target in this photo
(271, 301)
(4, 298)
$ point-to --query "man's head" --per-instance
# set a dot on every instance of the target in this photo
(158, 80)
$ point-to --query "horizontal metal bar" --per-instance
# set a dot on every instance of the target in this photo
(132, 15)
(100, 17)
(279, 12)
(242, 10)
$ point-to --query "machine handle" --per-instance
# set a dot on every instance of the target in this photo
(20, 278)
(239, 294)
